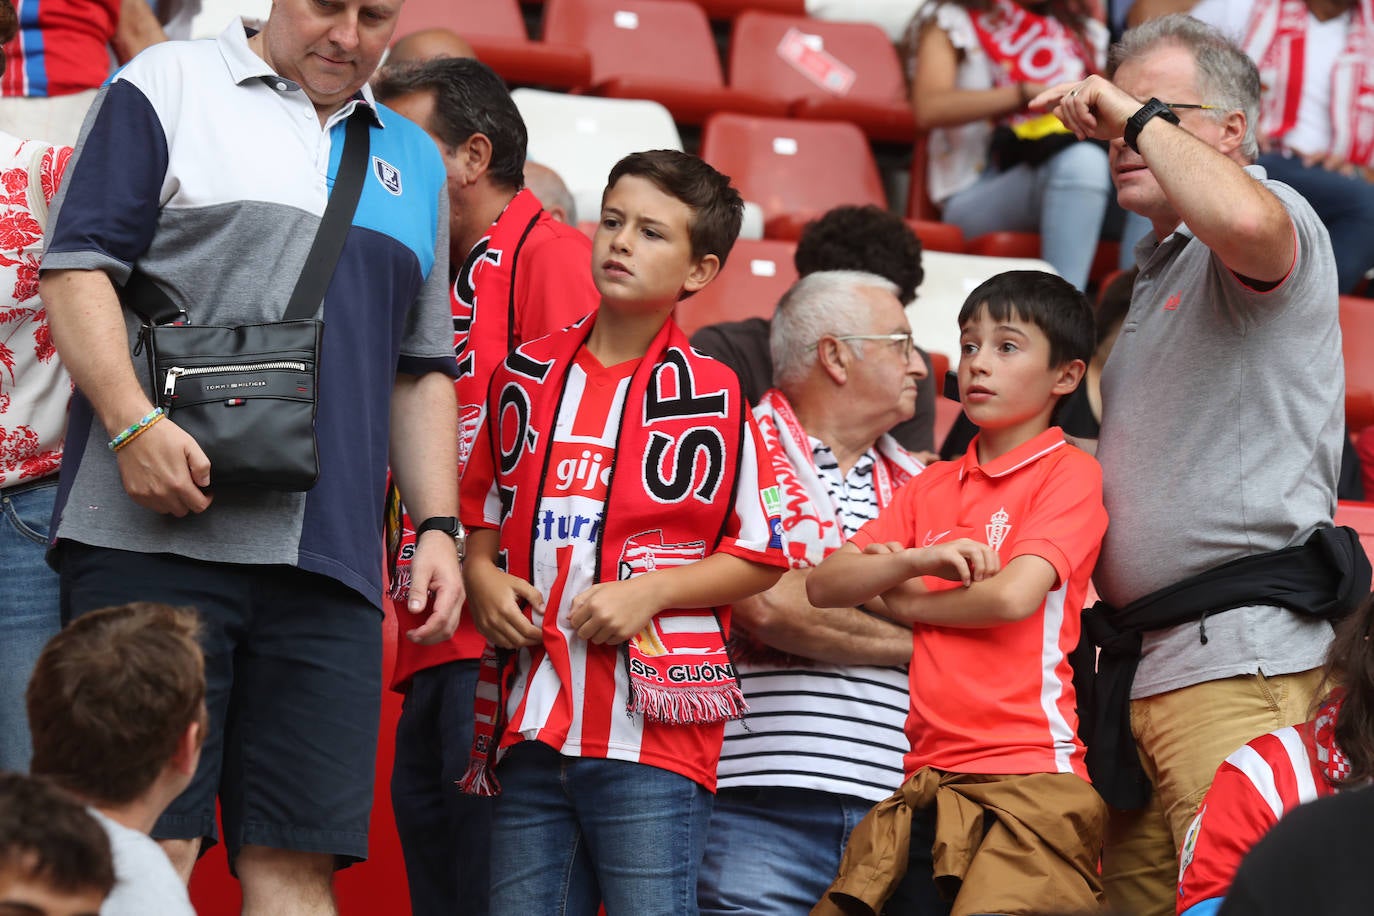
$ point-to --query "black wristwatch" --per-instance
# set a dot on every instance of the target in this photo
(450, 526)
(1151, 109)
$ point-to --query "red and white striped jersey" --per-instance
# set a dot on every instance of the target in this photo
(568, 693)
(1253, 789)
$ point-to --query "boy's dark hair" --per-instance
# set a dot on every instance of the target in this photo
(717, 208)
(110, 697)
(866, 238)
(469, 98)
(1350, 664)
(1049, 302)
(50, 837)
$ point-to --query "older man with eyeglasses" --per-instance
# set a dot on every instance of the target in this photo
(827, 687)
(1221, 439)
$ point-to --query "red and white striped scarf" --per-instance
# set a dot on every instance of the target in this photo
(1276, 39)
(811, 528)
(671, 492)
(1026, 47)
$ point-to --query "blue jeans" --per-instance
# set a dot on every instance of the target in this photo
(1063, 199)
(569, 833)
(774, 850)
(28, 608)
(1345, 205)
(445, 833)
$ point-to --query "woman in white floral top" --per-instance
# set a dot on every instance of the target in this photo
(34, 391)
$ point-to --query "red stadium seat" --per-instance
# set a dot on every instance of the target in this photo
(937, 236)
(750, 284)
(1027, 245)
(1359, 516)
(1357, 342)
(875, 99)
(794, 170)
(720, 10)
(653, 49)
(496, 31)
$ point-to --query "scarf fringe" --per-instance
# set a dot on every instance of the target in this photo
(679, 705)
(480, 780)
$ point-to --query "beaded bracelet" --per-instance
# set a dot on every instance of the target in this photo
(138, 429)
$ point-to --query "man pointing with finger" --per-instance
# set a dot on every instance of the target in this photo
(1230, 354)
(207, 166)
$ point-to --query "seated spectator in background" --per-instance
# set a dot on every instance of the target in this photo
(1080, 414)
(823, 740)
(1316, 862)
(117, 708)
(428, 44)
(35, 390)
(1316, 119)
(1273, 774)
(993, 725)
(61, 57)
(846, 238)
(994, 165)
(54, 858)
(545, 184)
(516, 274)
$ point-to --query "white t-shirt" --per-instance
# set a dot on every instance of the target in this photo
(1325, 41)
(145, 881)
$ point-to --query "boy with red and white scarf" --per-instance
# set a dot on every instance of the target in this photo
(617, 506)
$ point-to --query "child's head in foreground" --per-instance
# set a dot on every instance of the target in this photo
(54, 856)
(668, 222)
(115, 697)
(1025, 338)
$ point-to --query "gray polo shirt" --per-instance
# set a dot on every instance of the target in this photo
(1223, 411)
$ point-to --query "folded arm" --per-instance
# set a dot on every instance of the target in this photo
(612, 612)
(784, 619)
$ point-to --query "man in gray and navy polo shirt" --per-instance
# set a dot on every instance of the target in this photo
(209, 164)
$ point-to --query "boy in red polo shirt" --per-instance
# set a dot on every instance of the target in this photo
(988, 558)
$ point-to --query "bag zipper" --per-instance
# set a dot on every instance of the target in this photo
(176, 372)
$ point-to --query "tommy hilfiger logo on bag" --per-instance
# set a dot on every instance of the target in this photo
(387, 174)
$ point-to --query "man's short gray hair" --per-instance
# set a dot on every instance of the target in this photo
(825, 302)
(1226, 76)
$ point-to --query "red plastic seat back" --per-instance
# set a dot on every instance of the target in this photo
(864, 48)
(750, 284)
(469, 18)
(663, 39)
(1357, 342)
(793, 167)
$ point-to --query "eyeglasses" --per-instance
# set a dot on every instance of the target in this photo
(904, 341)
(1190, 106)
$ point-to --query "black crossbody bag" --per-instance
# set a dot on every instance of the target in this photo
(247, 394)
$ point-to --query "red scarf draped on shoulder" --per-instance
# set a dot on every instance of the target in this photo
(1026, 47)
(1276, 39)
(671, 492)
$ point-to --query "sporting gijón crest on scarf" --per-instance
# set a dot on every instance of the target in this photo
(671, 490)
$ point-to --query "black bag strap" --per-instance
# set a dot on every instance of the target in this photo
(313, 282)
(150, 302)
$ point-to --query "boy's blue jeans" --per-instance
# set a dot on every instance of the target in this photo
(28, 608)
(569, 833)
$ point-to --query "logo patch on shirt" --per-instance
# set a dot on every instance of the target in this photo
(1173, 303)
(997, 528)
(387, 174)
